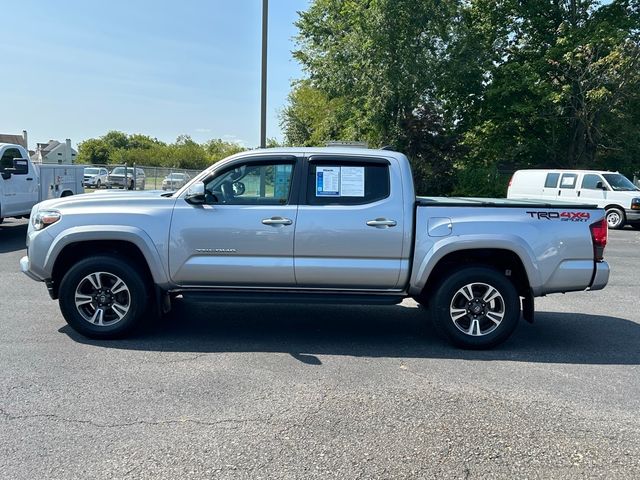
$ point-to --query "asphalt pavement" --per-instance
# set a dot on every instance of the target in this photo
(280, 391)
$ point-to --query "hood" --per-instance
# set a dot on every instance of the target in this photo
(118, 199)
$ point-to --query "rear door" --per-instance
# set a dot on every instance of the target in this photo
(244, 235)
(350, 227)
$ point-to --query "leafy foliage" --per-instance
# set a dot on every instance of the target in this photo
(472, 90)
(117, 148)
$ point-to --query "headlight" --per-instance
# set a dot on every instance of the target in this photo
(635, 203)
(44, 218)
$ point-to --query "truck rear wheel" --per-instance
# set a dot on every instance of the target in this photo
(103, 297)
(475, 308)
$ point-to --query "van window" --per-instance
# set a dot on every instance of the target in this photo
(552, 180)
(568, 180)
(590, 181)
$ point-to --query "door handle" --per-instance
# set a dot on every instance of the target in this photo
(382, 223)
(578, 192)
(277, 221)
(29, 179)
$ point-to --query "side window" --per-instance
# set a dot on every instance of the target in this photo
(252, 184)
(590, 181)
(568, 180)
(7, 157)
(347, 183)
(552, 180)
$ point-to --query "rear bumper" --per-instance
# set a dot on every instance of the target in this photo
(600, 277)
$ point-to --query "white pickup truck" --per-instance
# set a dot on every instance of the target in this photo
(327, 225)
(23, 183)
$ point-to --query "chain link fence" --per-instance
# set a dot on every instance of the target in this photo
(136, 177)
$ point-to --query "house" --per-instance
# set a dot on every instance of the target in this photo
(15, 139)
(55, 152)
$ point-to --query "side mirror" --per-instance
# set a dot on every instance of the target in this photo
(195, 194)
(20, 166)
(600, 186)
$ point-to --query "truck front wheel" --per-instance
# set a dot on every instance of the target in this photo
(475, 307)
(103, 297)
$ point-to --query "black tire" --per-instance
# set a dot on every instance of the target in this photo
(485, 332)
(98, 185)
(131, 185)
(615, 218)
(136, 298)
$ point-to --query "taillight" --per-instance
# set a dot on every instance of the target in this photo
(599, 232)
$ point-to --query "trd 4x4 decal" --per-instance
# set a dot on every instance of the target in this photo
(562, 216)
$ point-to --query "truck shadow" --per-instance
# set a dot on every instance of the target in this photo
(13, 234)
(307, 332)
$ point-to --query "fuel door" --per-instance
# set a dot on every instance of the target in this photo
(439, 226)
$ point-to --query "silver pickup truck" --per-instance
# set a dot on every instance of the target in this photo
(325, 225)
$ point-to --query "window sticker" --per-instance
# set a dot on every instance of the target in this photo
(568, 181)
(328, 181)
(352, 182)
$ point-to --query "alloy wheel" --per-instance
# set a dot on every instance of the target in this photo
(102, 299)
(477, 309)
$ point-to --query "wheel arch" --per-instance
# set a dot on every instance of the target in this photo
(503, 260)
(614, 205)
(70, 247)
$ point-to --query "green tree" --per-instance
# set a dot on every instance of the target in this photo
(371, 67)
(94, 151)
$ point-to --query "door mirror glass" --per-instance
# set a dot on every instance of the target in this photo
(195, 194)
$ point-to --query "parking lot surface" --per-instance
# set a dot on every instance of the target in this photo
(284, 391)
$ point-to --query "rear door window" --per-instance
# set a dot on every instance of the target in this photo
(568, 181)
(347, 182)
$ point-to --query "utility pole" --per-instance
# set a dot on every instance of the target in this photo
(263, 92)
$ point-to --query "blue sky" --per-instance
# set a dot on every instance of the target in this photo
(76, 69)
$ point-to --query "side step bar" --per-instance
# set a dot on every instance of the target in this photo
(306, 297)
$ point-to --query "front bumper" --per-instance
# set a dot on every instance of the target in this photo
(600, 277)
(633, 216)
(25, 267)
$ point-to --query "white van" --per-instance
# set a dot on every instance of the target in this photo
(609, 190)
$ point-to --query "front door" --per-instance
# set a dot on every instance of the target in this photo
(350, 225)
(243, 235)
(19, 191)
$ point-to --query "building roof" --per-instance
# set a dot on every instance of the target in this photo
(47, 147)
(16, 139)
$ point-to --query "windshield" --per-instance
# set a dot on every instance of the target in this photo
(91, 171)
(120, 171)
(620, 183)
